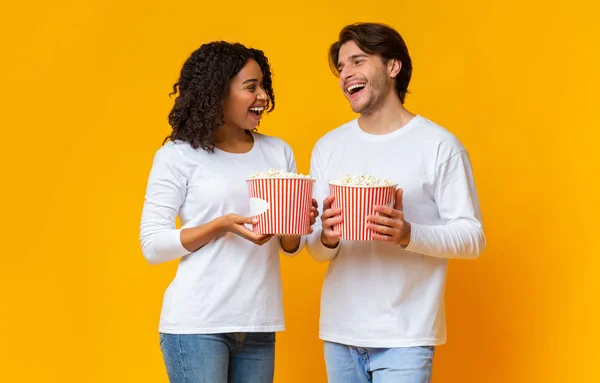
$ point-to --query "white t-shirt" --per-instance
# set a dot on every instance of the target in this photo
(377, 294)
(230, 284)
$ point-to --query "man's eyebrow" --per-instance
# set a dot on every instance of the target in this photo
(353, 57)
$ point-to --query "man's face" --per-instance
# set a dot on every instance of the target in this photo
(364, 79)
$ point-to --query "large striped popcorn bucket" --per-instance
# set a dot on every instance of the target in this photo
(282, 205)
(358, 202)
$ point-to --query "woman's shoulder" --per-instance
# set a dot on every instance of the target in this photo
(273, 142)
(180, 154)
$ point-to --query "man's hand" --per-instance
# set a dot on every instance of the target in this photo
(390, 226)
(330, 217)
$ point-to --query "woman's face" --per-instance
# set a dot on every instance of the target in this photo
(246, 99)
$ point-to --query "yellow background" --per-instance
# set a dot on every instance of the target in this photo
(84, 105)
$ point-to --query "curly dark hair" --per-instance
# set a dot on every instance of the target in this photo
(203, 85)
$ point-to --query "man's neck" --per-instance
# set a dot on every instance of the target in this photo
(386, 118)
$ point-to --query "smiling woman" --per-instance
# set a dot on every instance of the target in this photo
(221, 311)
(221, 85)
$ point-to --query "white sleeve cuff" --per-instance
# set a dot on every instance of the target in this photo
(318, 251)
(412, 242)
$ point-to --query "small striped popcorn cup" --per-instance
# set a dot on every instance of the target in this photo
(282, 205)
(356, 203)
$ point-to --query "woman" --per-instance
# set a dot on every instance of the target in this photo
(221, 311)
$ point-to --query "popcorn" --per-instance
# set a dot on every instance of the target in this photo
(275, 173)
(356, 197)
(362, 180)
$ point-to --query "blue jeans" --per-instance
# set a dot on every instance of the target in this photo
(219, 358)
(348, 364)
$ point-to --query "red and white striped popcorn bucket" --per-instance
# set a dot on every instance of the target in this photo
(357, 202)
(282, 205)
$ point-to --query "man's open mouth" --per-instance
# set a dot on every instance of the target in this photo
(355, 88)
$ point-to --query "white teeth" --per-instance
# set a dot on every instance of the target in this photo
(257, 109)
(351, 87)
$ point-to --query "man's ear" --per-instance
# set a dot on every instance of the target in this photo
(394, 67)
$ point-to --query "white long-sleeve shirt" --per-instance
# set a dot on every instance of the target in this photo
(229, 284)
(377, 294)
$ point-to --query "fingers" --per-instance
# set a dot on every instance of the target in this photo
(331, 217)
(398, 204)
(252, 236)
(387, 230)
(314, 213)
(330, 237)
(330, 222)
(327, 203)
(315, 204)
(246, 233)
(260, 238)
(330, 233)
(383, 238)
(382, 220)
(389, 211)
(331, 212)
(248, 220)
(264, 239)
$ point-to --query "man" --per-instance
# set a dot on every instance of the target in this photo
(382, 309)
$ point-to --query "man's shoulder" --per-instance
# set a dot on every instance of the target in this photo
(437, 134)
(333, 137)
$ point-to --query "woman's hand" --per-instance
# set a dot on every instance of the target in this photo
(234, 223)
